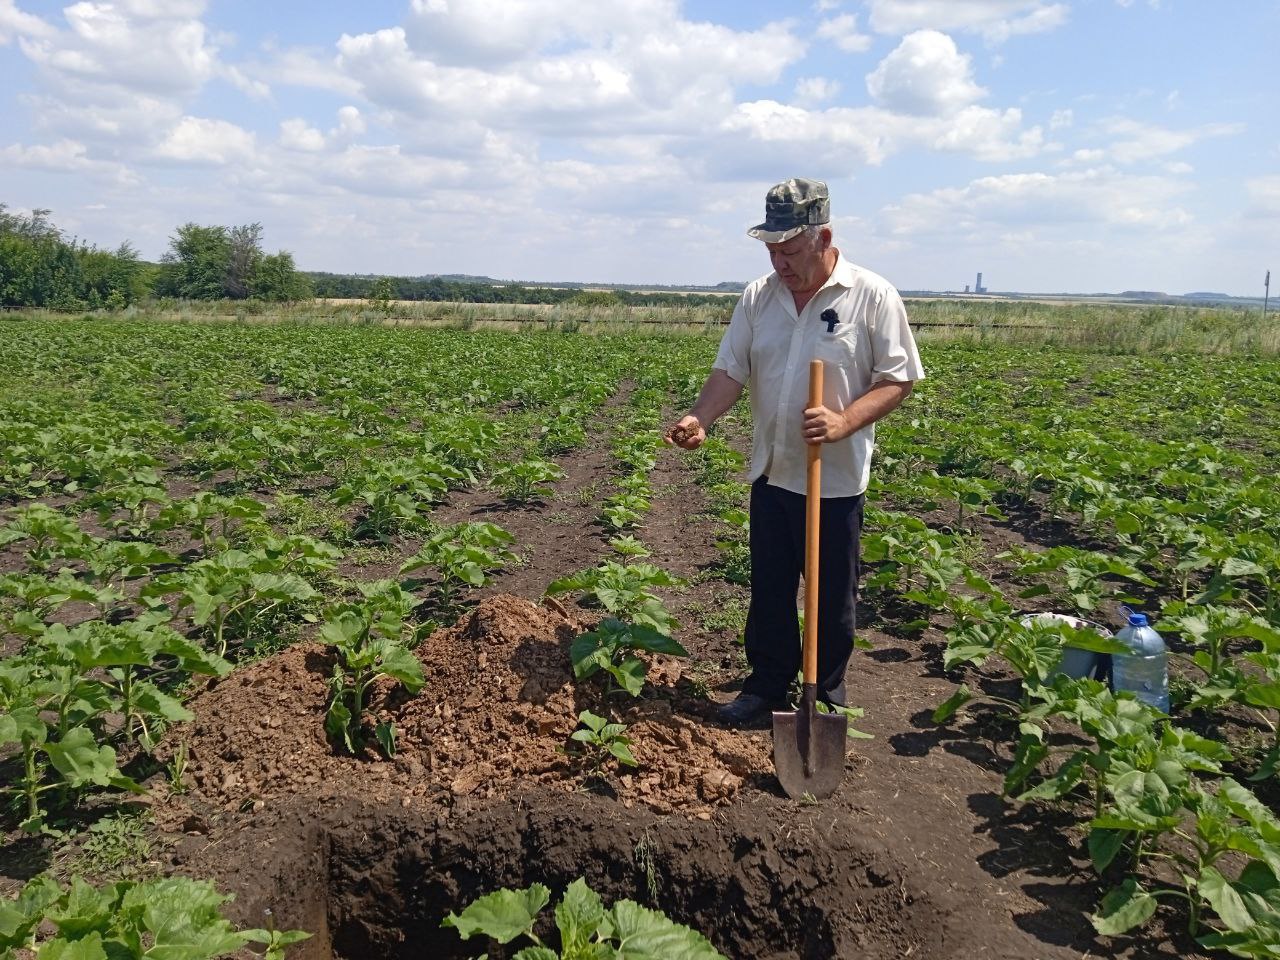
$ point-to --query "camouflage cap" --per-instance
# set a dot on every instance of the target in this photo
(789, 207)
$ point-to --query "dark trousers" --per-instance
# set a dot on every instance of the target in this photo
(777, 564)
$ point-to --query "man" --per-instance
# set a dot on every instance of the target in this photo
(814, 305)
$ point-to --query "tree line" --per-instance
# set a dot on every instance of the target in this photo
(344, 286)
(41, 267)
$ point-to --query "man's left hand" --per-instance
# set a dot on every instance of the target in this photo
(822, 425)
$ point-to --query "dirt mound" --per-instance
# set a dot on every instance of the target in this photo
(494, 718)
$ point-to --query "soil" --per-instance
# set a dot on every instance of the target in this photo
(915, 855)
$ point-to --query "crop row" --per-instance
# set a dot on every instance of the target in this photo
(176, 497)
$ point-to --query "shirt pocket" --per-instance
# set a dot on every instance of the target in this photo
(838, 347)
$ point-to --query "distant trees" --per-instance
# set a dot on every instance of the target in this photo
(40, 268)
(373, 288)
(213, 263)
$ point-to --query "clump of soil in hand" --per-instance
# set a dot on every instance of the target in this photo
(681, 434)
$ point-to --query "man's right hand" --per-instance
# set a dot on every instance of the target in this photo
(687, 433)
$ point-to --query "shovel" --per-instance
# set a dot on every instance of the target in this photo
(808, 746)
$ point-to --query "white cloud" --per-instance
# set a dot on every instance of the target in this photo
(1061, 119)
(925, 75)
(813, 90)
(1043, 203)
(17, 23)
(350, 122)
(63, 155)
(991, 135)
(995, 20)
(669, 75)
(492, 33)
(307, 68)
(1136, 142)
(297, 134)
(843, 32)
(1264, 197)
(204, 141)
(845, 138)
(247, 85)
(143, 50)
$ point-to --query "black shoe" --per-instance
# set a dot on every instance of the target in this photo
(747, 708)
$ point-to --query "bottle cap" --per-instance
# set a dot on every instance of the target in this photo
(1136, 619)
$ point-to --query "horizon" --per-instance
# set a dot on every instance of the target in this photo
(611, 139)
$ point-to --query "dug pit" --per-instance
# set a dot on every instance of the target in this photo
(763, 880)
(370, 855)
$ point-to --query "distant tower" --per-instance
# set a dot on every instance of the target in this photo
(977, 287)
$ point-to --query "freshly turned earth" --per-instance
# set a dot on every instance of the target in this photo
(495, 717)
(370, 854)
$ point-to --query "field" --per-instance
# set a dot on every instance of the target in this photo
(327, 613)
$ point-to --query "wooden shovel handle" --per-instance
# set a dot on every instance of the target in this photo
(812, 515)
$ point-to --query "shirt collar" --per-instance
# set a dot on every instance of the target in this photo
(842, 274)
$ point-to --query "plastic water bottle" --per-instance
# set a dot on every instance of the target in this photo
(1144, 671)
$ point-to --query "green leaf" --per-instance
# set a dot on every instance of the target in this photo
(399, 663)
(1265, 695)
(578, 916)
(86, 948)
(23, 724)
(958, 653)
(629, 674)
(646, 638)
(337, 721)
(1103, 847)
(82, 762)
(1123, 908)
(1242, 802)
(185, 917)
(344, 632)
(534, 953)
(83, 910)
(1061, 783)
(149, 699)
(953, 703)
(1224, 899)
(385, 734)
(1268, 767)
(622, 753)
(503, 915)
(1236, 567)
(644, 934)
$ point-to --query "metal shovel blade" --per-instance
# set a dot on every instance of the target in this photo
(809, 749)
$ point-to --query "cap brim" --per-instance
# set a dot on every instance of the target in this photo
(774, 236)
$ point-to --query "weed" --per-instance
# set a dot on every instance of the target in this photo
(728, 616)
(117, 847)
(177, 768)
(645, 855)
(700, 675)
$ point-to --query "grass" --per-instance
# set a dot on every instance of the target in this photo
(1104, 326)
(730, 616)
(117, 847)
(1101, 327)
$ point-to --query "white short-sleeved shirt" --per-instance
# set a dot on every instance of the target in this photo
(768, 348)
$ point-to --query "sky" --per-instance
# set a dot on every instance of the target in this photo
(1087, 146)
